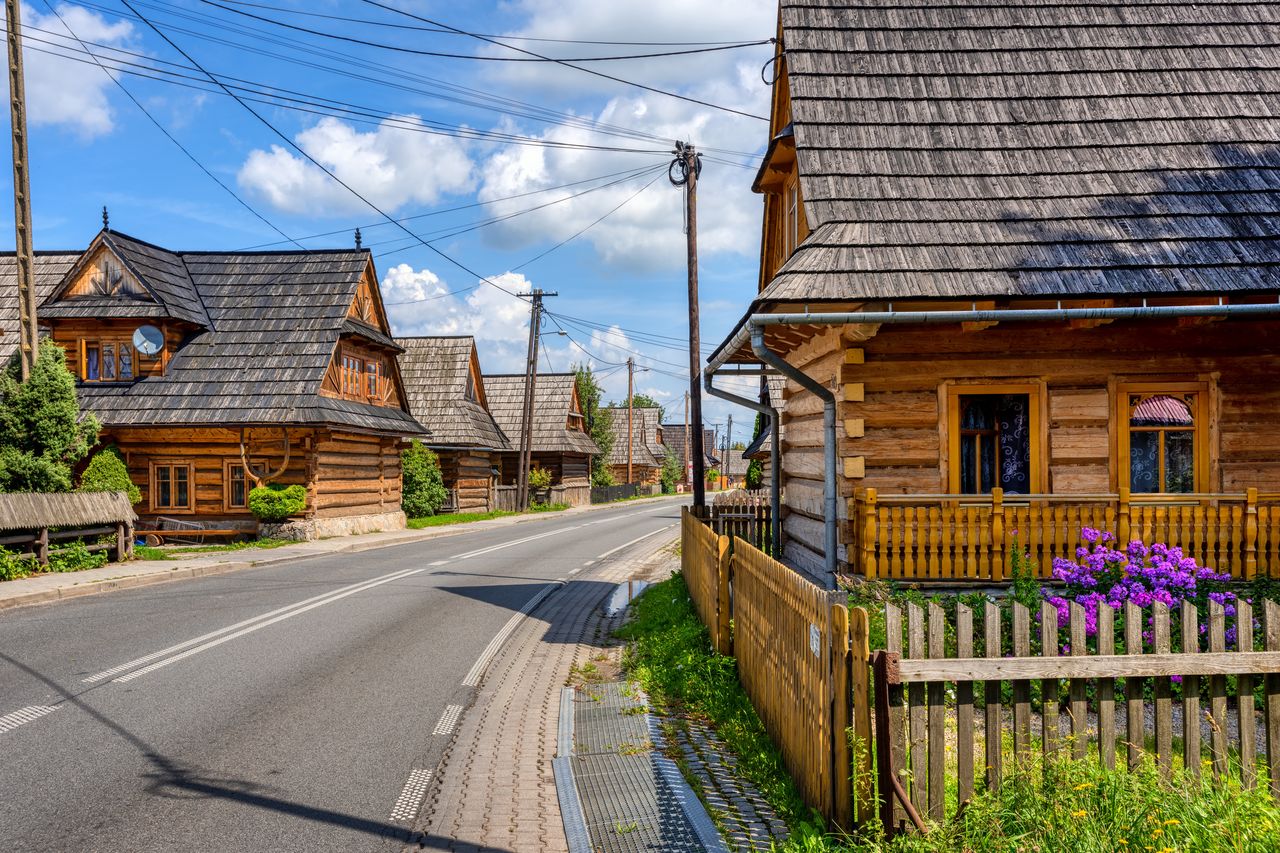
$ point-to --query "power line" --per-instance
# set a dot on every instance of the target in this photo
(590, 71)
(443, 31)
(174, 139)
(479, 57)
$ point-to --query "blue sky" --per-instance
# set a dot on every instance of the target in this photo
(366, 111)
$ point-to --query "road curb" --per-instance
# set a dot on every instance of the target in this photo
(161, 575)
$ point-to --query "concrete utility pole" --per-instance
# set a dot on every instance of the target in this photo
(631, 373)
(29, 334)
(530, 383)
(684, 172)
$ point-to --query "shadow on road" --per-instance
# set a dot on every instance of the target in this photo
(173, 779)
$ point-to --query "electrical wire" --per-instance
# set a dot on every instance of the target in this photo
(590, 71)
(478, 57)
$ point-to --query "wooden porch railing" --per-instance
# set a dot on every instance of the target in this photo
(971, 537)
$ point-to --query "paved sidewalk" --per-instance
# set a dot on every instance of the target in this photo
(495, 788)
(46, 588)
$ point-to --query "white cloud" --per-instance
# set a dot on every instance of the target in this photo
(62, 91)
(391, 166)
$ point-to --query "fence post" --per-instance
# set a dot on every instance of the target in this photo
(869, 533)
(724, 615)
(1122, 520)
(42, 546)
(859, 659)
(842, 717)
(122, 543)
(1250, 533)
(997, 535)
(1271, 691)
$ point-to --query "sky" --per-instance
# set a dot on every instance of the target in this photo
(515, 174)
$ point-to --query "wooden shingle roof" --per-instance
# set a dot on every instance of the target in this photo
(435, 371)
(645, 449)
(273, 322)
(1043, 147)
(553, 398)
(673, 437)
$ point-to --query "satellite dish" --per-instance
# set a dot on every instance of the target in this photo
(148, 340)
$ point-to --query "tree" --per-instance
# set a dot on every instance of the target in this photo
(108, 473)
(423, 491)
(42, 431)
(672, 473)
(755, 470)
(599, 423)
(644, 401)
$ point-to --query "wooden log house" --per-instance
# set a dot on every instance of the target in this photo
(647, 449)
(211, 371)
(446, 394)
(674, 437)
(560, 440)
(991, 158)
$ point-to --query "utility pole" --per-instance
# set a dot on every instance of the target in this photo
(688, 458)
(631, 373)
(728, 447)
(683, 171)
(530, 383)
(29, 334)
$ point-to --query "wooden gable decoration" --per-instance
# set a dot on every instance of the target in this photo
(104, 274)
(475, 380)
(367, 306)
(576, 419)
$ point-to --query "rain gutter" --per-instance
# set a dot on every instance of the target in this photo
(753, 328)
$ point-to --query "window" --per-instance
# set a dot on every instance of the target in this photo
(171, 486)
(236, 490)
(106, 361)
(352, 376)
(1162, 439)
(373, 378)
(995, 439)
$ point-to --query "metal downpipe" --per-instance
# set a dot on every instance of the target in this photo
(829, 484)
(775, 468)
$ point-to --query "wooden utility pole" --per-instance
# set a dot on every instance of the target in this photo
(29, 334)
(688, 460)
(728, 446)
(530, 384)
(631, 374)
(684, 172)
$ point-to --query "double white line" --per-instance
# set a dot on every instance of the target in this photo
(173, 654)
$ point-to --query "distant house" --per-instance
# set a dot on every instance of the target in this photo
(561, 444)
(761, 448)
(673, 437)
(1023, 258)
(733, 469)
(647, 449)
(211, 371)
(446, 394)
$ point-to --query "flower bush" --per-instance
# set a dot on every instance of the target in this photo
(1102, 573)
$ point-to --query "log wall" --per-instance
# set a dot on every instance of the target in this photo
(355, 475)
(470, 472)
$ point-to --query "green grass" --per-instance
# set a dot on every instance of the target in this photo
(455, 518)
(147, 552)
(537, 507)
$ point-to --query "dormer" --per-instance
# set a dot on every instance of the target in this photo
(122, 310)
(785, 224)
(363, 368)
(576, 420)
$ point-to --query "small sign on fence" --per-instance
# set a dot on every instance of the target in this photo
(815, 640)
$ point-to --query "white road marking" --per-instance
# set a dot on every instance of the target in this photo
(575, 571)
(258, 626)
(116, 670)
(515, 542)
(477, 670)
(448, 720)
(410, 800)
(438, 563)
(587, 563)
(634, 541)
(12, 720)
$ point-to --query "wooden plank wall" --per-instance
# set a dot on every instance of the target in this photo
(469, 471)
(356, 475)
(892, 423)
(207, 450)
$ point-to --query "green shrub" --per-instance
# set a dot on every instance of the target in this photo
(13, 567)
(535, 506)
(423, 489)
(75, 557)
(107, 473)
(713, 475)
(539, 478)
(672, 473)
(275, 503)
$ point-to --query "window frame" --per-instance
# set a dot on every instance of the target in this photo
(100, 345)
(1036, 422)
(172, 465)
(227, 466)
(1200, 429)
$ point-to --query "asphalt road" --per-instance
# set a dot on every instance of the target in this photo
(280, 708)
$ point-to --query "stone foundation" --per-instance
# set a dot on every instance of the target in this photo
(304, 529)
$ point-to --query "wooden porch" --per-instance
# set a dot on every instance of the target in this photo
(969, 538)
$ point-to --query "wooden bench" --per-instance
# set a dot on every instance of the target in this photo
(157, 537)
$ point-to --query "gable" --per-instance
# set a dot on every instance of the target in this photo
(366, 306)
(475, 380)
(103, 274)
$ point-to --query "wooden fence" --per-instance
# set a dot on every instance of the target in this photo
(802, 659)
(912, 705)
(971, 537)
(748, 518)
(36, 525)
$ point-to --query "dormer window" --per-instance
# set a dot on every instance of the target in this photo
(107, 360)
